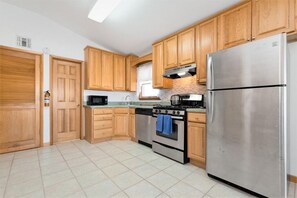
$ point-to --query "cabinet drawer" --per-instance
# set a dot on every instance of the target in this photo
(121, 110)
(103, 133)
(102, 117)
(197, 117)
(102, 124)
(131, 110)
(102, 111)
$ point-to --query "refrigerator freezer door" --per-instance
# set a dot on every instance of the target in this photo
(246, 138)
(255, 64)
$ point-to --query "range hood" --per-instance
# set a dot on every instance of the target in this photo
(180, 72)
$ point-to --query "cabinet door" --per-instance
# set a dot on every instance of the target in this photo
(119, 72)
(235, 26)
(121, 124)
(93, 67)
(107, 71)
(196, 141)
(206, 42)
(131, 74)
(132, 126)
(158, 68)
(272, 17)
(186, 47)
(170, 52)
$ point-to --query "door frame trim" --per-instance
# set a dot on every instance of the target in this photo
(52, 58)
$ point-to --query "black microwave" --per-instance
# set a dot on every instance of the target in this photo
(97, 100)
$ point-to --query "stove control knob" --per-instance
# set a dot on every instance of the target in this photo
(173, 112)
(166, 111)
(178, 112)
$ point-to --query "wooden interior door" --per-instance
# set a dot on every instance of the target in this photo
(20, 109)
(66, 100)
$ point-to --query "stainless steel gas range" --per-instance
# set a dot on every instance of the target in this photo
(174, 145)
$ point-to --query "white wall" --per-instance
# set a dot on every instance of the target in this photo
(293, 108)
(45, 33)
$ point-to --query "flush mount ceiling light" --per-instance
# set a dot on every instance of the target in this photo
(102, 9)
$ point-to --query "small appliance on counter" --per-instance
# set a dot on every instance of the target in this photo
(174, 144)
(97, 100)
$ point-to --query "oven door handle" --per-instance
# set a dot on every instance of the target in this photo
(173, 117)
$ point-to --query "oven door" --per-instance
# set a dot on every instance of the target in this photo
(176, 139)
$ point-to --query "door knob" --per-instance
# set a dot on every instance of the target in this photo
(78, 105)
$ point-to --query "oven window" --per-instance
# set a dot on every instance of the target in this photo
(173, 135)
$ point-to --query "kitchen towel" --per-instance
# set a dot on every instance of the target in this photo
(167, 129)
(159, 127)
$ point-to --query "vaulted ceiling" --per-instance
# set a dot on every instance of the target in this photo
(133, 26)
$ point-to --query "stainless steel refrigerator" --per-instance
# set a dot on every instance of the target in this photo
(246, 116)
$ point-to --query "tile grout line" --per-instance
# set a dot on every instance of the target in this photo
(99, 169)
(4, 193)
(41, 174)
(72, 172)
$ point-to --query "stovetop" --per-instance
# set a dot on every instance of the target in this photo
(183, 107)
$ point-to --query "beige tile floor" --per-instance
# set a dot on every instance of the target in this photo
(109, 169)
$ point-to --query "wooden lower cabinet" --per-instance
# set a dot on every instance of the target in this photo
(131, 132)
(197, 139)
(103, 124)
(121, 121)
(98, 124)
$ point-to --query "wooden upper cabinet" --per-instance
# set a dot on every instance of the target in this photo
(158, 68)
(93, 68)
(234, 26)
(206, 42)
(272, 16)
(119, 81)
(131, 73)
(186, 47)
(170, 52)
(107, 71)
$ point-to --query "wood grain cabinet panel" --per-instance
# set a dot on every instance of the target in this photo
(107, 71)
(186, 47)
(132, 132)
(131, 73)
(170, 52)
(206, 42)
(196, 141)
(93, 68)
(121, 123)
(158, 68)
(197, 138)
(119, 73)
(234, 26)
(272, 16)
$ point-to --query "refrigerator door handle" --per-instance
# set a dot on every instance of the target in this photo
(210, 77)
(210, 106)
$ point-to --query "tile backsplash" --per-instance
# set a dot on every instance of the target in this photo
(181, 86)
